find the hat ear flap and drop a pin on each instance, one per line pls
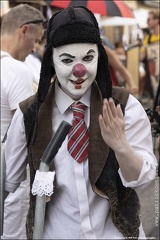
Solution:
(103, 76)
(47, 71)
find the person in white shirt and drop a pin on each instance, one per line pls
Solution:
(34, 64)
(16, 85)
(21, 29)
(24, 34)
(95, 198)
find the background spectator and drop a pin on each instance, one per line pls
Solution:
(153, 23)
(21, 30)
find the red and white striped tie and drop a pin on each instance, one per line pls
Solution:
(78, 137)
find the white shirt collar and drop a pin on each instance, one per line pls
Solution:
(63, 101)
(4, 54)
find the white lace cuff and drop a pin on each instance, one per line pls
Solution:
(43, 183)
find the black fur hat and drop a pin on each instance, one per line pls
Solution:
(73, 25)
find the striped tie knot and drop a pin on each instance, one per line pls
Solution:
(78, 110)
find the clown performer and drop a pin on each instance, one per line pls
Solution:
(107, 154)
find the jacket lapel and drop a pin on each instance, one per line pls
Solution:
(44, 131)
(98, 150)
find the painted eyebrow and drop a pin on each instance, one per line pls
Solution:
(91, 50)
(67, 55)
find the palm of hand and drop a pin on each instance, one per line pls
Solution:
(112, 124)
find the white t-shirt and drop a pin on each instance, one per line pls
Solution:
(34, 65)
(75, 211)
(16, 85)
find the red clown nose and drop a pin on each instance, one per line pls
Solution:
(79, 70)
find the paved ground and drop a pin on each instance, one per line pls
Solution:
(150, 209)
(149, 197)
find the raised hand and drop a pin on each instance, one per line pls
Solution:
(112, 124)
(112, 127)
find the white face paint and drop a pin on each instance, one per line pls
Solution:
(76, 67)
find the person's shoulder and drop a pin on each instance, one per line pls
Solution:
(119, 90)
(20, 65)
(14, 64)
(28, 103)
(155, 38)
(145, 41)
(120, 94)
